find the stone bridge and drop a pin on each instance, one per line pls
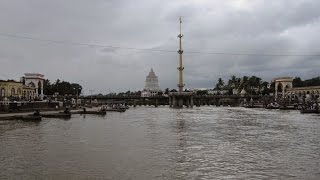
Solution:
(224, 100)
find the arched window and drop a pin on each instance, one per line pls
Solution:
(279, 87)
(2, 92)
(286, 88)
(19, 91)
(13, 91)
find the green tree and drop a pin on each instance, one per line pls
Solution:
(47, 87)
(62, 87)
(220, 84)
(272, 87)
(202, 92)
(312, 82)
(265, 89)
(233, 83)
(297, 82)
(166, 91)
(243, 84)
(173, 90)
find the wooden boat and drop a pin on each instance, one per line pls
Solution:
(272, 107)
(116, 110)
(23, 117)
(310, 111)
(57, 115)
(94, 112)
(29, 118)
(287, 108)
(254, 106)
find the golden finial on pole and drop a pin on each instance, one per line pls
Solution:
(180, 23)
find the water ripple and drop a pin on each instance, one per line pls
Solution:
(163, 143)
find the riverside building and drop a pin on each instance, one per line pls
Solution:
(25, 89)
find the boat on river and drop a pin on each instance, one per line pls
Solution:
(287, 108)
(29, 117)
(99, 112)
(57, 115)
(253, 105)
(114, 108)
(94, 112)
(273, 106)
(310, 111)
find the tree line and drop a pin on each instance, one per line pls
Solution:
(298, 82)
(253, 85)
(61, 87)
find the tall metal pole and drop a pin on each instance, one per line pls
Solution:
(180, 68)
(91, 96)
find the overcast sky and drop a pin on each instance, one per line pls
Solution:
(284, 27)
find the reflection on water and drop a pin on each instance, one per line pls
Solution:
(164, 143)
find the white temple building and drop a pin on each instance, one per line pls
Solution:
(151, 87)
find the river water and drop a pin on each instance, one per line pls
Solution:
(163, 143)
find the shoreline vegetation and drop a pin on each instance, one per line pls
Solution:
(68, 93)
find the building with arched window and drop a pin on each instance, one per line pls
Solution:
(284, 87)
(29, 87)
(16, 90)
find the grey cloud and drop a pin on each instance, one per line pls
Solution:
(256, 27)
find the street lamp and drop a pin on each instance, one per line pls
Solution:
(91, 90)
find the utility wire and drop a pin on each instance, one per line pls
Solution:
(144, 49)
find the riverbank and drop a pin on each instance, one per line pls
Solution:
(10, 116)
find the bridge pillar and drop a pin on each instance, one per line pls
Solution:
(191, 102)
(180, 98)
(174, 101)
(187, 102)
(156, 103)
(170, 101)
(180, 102)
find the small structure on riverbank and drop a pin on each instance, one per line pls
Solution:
(282, 84)
(34, 80)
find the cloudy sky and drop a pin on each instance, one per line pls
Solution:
(235, 28)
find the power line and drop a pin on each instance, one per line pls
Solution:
(145, 49)
(250, 54)
(79, 44)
